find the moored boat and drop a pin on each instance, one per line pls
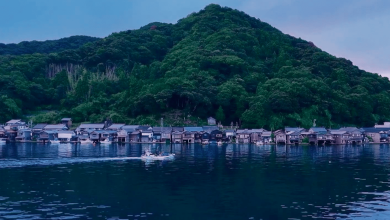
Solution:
(106, 141)
(86, 141)
(55, 141)
(3, 140)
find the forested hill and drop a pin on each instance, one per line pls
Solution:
(217, 62)
(48, 46)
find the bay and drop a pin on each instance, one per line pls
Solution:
(69, 181)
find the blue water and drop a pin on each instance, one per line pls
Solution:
(70, 181)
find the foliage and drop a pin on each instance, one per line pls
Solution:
(216, 61)
(305, 140)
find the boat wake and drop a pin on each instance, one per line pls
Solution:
(9, 163)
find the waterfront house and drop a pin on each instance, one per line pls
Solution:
(23, 135)
(66, 136)
(16, 123)
(162, 134)
(211, 121)
(146, 135)
(294, 137)
(198, 137)
(256, 135)
(177, 136)
(377, 135)
(96, 135)
(280, 137)
(243, 136)
(123, 135)
(96, 127)
(230, 134)
(2, 132)
(110, 135)
(317, 135)
(216, 136)
(67, 122)
(47, 136)
(135, 136)
(57, 127)
(190, 133)
(36, 130)
(353, 135)
(385, 125)
(267, 137)
(166, 135)
(144, 128)
(337, 136)
(180, 129)
(205, 138)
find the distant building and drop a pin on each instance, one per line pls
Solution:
(211, 121)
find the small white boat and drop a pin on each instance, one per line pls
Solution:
(3, 140)
(157, 157)
(106, 141)
(259, 143)
(86, 141)
(205, 142)
(55, 141)
(219, 143)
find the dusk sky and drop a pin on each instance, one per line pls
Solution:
(358, 30)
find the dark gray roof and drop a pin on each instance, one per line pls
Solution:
(162, 129)
(375, 130)
(288, 129)
(66, 119)
(177, 128)
(116, 126)
(13, 121)
(93, 126)
(318, 130)
(210, 128)
(55, 127)
(39, 126)
(193, 129)
(144, 128)
(130, 127)
(243, 131)
(257, 130)
(349, 129)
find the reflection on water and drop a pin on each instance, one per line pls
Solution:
(70, 181)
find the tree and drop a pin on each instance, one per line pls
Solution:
(220, 115)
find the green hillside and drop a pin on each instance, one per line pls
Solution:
(217, 62)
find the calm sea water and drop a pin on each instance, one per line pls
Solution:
(70, 181)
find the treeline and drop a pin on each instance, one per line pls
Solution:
(217, 62)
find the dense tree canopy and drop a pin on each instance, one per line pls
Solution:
(217, 62)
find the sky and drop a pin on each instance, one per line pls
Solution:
(358, 30)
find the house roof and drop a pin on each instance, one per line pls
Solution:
(130, 127)
(144, 128)
(294, 132)
(162, 129)
(243, 131)
(65, 132)
(257, 130)
(66, 119)
(288, 129)
(13, 121)
(39, 126)
(210, 128)
(193, 129)
(116, 126)
(210, 118)
(349, 129)
(318, 130)
(51, 132)
(58, 126)
(337, 132)
(375, 130)
(177, 128)
(93, 126)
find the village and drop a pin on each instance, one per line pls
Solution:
(17, 130)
